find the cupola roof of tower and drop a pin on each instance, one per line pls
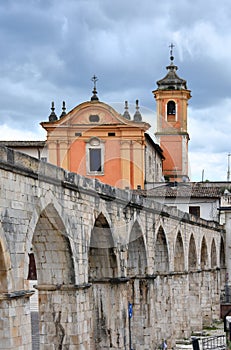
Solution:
(171, 81)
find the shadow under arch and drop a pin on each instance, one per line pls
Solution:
(179, 263)
(137, 257)
(4, 287)
(222, 262)
(7, 281)
(102, 260)
(192, 254)
(161, 252)
(222, 254)
(213, 254)
(204, 254)
(52, 249)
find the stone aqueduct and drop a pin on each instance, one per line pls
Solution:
(96, 249)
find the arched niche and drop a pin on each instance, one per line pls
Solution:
(179, 254)
(52, 250)
(192, 254)
(102, 262)
(161, 252)
(137, 259)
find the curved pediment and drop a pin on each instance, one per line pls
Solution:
(94, 113)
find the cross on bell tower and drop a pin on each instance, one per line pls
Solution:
(171, 51)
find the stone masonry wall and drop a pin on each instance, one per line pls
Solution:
(96, 249)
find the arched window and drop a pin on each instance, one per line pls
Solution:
(171, 111)
(95, 156)
(171, 108)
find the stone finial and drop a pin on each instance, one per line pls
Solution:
(94, 91)
(63, 110)
(137, 116)
(52, 116)
(126, 113)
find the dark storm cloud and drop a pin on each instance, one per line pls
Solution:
(51, 49)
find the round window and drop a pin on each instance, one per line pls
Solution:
(94, 118)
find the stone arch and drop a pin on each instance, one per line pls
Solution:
(52, 249)
(192, 254)
(102, 261)
(213, 254)
(204, 254)
(137, 258)
(179, 254)
(161, 252)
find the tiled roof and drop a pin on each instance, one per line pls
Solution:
(173, 190)
(23, 143)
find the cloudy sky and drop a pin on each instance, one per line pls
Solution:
(50, 49)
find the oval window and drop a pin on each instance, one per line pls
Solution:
(94, 118)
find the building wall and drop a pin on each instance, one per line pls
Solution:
(122, 142)
(208, 207)
(96, 249)
(153, 165)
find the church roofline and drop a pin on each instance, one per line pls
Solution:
(99, 104)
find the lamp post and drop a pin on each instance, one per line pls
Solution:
(228, 172)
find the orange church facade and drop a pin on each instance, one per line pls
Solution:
(97, 142)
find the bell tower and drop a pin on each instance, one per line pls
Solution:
(172, 98)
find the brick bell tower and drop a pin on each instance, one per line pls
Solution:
(172, 98)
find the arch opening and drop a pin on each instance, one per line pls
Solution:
(161, 252)
(137, 259)
(52, 250)
(102, 262)
(213, 254)
(204, 254)
(171, 111)
(192, 254)
(179, 254)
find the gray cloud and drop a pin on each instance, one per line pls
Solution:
(50, 50)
